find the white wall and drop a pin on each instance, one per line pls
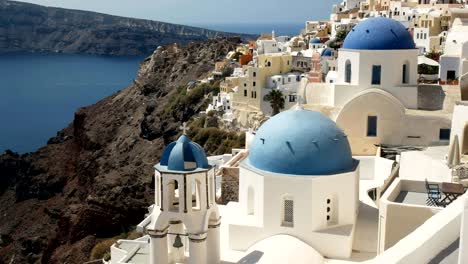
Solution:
(429, 239)
(353, 120)
(391, 61)
(421, 38)
(397, 220)
(249, 179)
(391, 75)
(310, 194)
(460, 121)
(267, 47)
(448, 63)
(395, 126)
(374, 168)
(320, 94)
(416, 165)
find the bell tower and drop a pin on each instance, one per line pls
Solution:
(185, 220)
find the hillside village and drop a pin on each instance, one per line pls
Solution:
(356, 147)
(308, 68)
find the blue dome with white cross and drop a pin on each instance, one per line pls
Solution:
(301, 142)
(379, 33)
(184, 155)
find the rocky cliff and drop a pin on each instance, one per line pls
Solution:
(94, 179)
(29, 27)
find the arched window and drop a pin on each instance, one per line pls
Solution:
(269, 64)
(250, 201)
(348, 72)
(172, 195)
(196, 195)
(287, 211)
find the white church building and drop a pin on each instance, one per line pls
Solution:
(375, 96)
(294, 183)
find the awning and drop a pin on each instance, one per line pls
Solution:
(427, 61)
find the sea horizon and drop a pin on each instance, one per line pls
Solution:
(289, 29)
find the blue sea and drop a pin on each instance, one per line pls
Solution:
(39, 93)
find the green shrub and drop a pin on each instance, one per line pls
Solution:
(102, 249)
(216, 141)
(183, 104)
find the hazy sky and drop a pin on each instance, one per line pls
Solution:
(205, 11)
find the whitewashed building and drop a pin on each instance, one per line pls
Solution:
(267, 46)
(454, 61)
(375, 96)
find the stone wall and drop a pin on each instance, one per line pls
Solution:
(229, 185)
(430, 97)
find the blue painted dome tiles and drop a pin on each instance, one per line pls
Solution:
(301, 142)
(379, 33)
(184, 155)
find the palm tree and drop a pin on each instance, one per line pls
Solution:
(276, 99)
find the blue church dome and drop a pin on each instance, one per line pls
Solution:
(379, 33)
(328, 52)
(301, 142)
(184, 155)
(315, 41)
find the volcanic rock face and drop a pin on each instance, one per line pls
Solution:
(94, 179)
(28, 27)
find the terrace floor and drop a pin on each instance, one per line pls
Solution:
(415, 198)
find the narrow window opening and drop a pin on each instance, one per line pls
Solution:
(444, 134)
(173, 197)
(288, 212)
(376, 74)
(250, 201)
(405, 74)
(348, 72)
(195, 195)
(372, 126)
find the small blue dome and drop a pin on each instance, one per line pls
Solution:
(379, 33)
(328, 52)
(301, 142)
(315, 41)
(184, 155)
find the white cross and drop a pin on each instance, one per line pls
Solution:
(184, 128)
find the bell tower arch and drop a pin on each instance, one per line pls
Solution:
(185, 221)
